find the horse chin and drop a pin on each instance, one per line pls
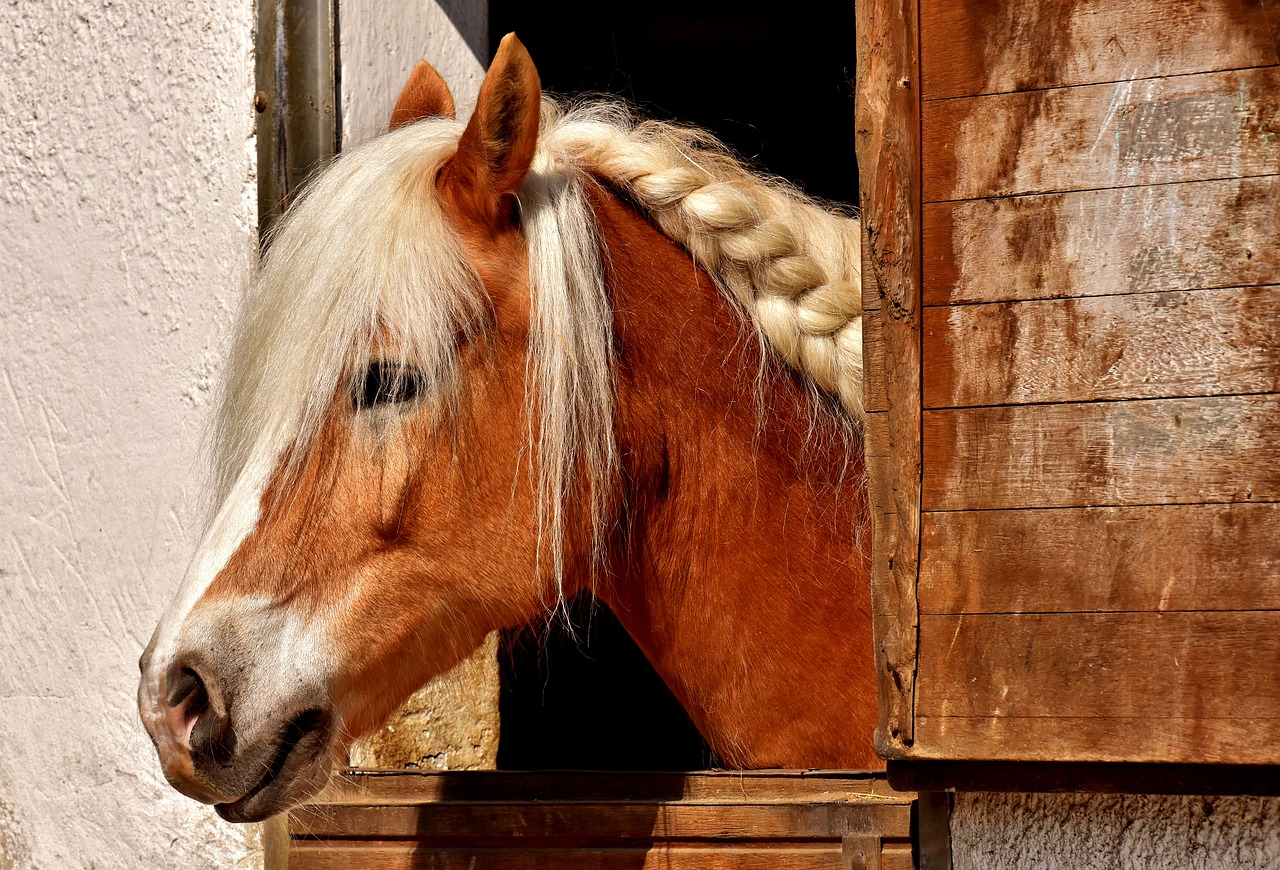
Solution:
(301, 767)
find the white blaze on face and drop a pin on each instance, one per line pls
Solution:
(235, 521)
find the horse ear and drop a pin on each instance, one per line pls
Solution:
(497, 147)
(425, 95)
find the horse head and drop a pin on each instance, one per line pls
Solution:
(435, 424)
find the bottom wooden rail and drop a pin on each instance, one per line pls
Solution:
(494, 820)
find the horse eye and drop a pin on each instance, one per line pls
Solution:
(387, 384)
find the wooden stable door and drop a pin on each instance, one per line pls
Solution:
(1072, 216)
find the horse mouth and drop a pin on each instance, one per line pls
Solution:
(302, 745)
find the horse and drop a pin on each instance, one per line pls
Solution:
(487, 367)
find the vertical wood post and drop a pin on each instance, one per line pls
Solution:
(888, 137)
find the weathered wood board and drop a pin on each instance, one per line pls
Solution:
(1141, 559)
(1149, 131)
(889, 167)
(1144, 239)
(971, 47)
(1074, 444)
(1178, 343)
(488, 819)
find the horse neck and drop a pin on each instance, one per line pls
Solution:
(742, 575)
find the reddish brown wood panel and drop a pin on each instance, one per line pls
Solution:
(1150, 131)
(1075, 560)
(798, 820)
(1092, 243)
(989, 46)
(1200, 671)
(1184, 343)
(1220, 665)
(1163, 451)
(887, 118)
(1098, 738)
(394, 856)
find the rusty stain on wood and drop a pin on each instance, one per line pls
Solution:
(1099, 242)
(1160, 451)
(971, 47)
(1148, 558)
(1152, 131)
(1183, 343)
(888, 145)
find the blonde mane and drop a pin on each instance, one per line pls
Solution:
(367, 249)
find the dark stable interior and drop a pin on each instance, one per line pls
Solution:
(775, 84)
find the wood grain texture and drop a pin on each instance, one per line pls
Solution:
(1148, 666)
(1150, 131)
(873, 386)
(1113, 686)
(1166, 451)
(1092, 243)
(1099, 738)
(1076, 560)
(323, 855)
(887, 119)
(1154, 345)
(393, 787)
(766, 819)
(989, 46)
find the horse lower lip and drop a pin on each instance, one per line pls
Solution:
(256, 804)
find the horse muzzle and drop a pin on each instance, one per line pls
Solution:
(250, 738)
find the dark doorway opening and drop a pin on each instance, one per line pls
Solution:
(775, 83)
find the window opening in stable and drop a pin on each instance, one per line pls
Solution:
(775, 84)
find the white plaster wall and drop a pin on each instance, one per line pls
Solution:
(380, 41)
(1114, 832)
(126, 234)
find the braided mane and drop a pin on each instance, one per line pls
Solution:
(793, 265)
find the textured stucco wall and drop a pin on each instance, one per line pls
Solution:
(126, 214)
(1114, 832)
(452, 722)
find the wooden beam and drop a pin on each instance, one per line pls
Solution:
(888, 126)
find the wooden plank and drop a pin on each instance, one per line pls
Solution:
(488, 823)
(979, 46)
(1101, 739)
(1139, 666)
(897, 856)
(887, 118)
(397, 787)
(1163, 451)
(1152, 131)
(343, 856)
(1173, 557)
(1092, 243)
(1155, 345)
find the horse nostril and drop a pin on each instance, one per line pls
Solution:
(209, 732)
(184, 684)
